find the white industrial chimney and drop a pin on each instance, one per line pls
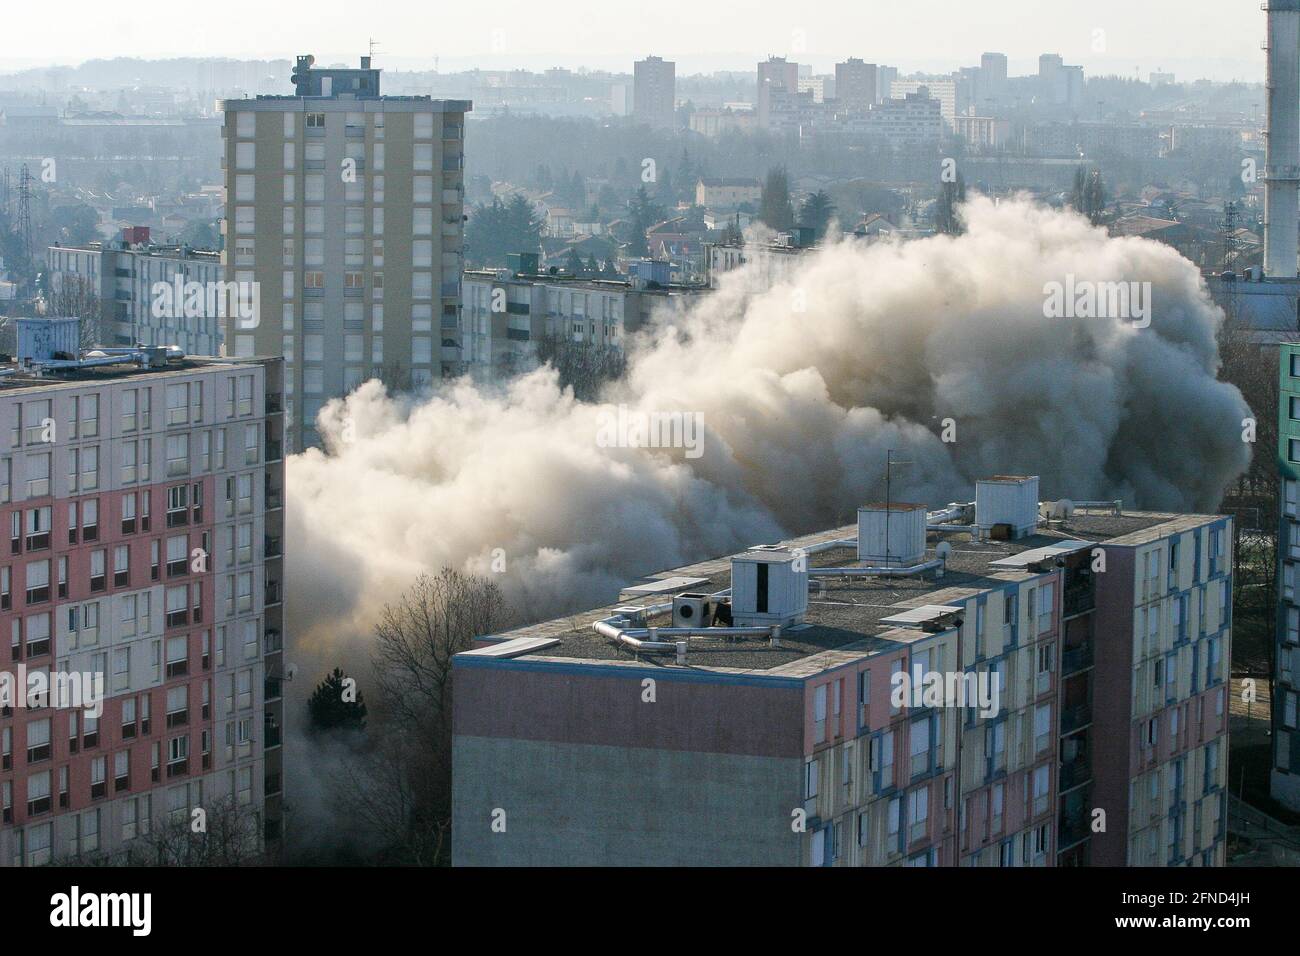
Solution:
(1282, 165)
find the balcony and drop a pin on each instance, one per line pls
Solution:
(273, 451)
(271, 688)
(1076, 659)
(273, 405)
(1074, 774)
(1071, 832)
(273, 592)
(1079, 600)
(271, 547)
(1075, 718)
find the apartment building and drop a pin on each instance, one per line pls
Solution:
(143, 495)
(775, 74)
(122, 276)
(1285, 782)
(347, 209)
(755, 710)
(654, 92)
(914, 120)
(941, 89)
(855, 84)
(774, 259)
(507, 312)
(727, 194)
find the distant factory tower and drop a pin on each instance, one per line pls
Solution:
(1282, 169)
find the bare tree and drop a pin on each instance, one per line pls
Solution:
(583, 366)
(398, 787)
(416, 639)
(230, 835)
(1254, 500)
(76, 296)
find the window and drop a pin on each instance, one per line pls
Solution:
(38, 793)
(177, 656)
(177, 606)
(98, 562)
(38, 740)
(98, 777)
(121, 566)
(38, 582)
(177, 706)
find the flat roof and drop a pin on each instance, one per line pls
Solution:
(19, 378)
(850, 617)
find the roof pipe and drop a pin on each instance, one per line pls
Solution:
(911, 571)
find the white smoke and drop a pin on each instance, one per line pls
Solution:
(799, 406)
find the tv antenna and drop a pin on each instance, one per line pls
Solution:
(889, 510)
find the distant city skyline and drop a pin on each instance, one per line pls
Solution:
(1105, 37)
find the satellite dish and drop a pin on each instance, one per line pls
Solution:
(943, 550)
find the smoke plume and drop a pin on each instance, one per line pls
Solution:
(803, 385)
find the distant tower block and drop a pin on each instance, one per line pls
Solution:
(1282, 166)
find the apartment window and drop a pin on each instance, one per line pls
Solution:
(178, 499)
(38, 793)
(177, 556)
(129, 418)
(38, 475)
(121, 566)
(38, 582)
(38, 528)
(38, 740)
(98, 777)
(177, 606)
(177, 706)
(177, 656)
(98, 563)
(121, 770)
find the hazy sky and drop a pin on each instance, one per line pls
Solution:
(1215, 38)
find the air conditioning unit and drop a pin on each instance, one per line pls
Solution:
(692, 610)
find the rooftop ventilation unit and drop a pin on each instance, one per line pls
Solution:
(48, 339)
(1006, 506)
(769, 587)
(692, 610)
(891, 535)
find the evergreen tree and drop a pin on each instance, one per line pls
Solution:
(775, 208)
(951, 195)
(334, 704)
(643, 214)
(816, 211)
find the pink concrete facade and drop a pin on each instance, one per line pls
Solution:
(153, 569)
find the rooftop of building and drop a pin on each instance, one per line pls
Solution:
(844, 620)
(594, 283)
(16, 375)
(156, 250)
